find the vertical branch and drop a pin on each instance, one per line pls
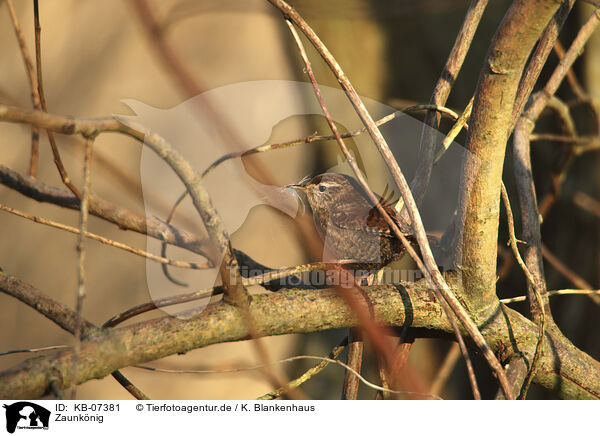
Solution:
(440, 96)
(40, 85)
(488, 133)
(83, 218)
(354, 361)
(35, 97)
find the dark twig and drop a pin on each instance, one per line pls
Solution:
(440, 95)
(130, 387)
(354, 361)
(56, 312)
(40, 83)
(538, 59)
(568, 273)
(571, 77)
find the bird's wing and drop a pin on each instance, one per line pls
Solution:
(361, 216)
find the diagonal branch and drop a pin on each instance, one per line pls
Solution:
(33, 87)
(440, 95)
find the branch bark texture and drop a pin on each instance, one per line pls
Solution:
(488, 133)
(564, 368)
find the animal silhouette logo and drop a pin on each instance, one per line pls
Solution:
(26, 415)
(251, 110)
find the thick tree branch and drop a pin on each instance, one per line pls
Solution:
(563, 367)
(487, 137)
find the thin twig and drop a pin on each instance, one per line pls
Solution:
(575, 50)
(571, 77)
(456, 128)
(80, 295)
(522, 298)
(289, 359)
(130, 387)
(60, 314)
(33, 87)
(568, 273)
(354, 362)
(587, 203)
(103, 240)
(34, 350)
(445, 370)
(40, 84)
(314, 137)
(559, 171)
(335, 352)
(460, 122)
(161, 302)
(533, 284)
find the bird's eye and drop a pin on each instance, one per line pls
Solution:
(322, 188)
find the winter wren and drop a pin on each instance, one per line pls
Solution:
(353, 230)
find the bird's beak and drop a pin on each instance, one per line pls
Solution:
(296, 186)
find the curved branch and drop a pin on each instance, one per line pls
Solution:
(125, 219)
